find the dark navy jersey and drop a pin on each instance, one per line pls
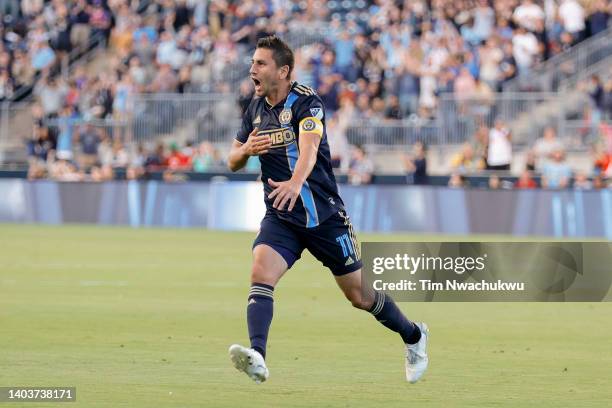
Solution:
(302, 111)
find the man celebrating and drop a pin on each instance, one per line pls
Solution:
(285, 126)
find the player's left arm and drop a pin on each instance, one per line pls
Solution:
(287, 192)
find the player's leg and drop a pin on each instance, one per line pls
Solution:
(275, 250)
(381, 306)
(335, 245)
(384, 309)
(267, 269)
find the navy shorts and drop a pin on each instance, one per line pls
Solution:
(332, 242)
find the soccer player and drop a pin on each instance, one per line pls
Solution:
(284, 126)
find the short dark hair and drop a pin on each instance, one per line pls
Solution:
(281, 52)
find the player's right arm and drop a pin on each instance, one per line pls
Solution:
(253, 146)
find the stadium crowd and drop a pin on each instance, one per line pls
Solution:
(96, 156)
(38, 36)
(378, 61)
(546, 159)
(390, 59)
(397, 56)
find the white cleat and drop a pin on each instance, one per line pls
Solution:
(416, 356)
(250, 362)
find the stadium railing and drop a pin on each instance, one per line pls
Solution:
(601, 69)
(550, 75)
(216, 118)
(524, 113)
(16, 124)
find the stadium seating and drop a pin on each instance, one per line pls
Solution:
(390, 74)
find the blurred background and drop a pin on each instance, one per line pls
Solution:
(462, 116)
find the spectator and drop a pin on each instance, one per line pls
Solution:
(6, 85)
(89, 142)
(494, 182)
(482, 99)
(599, 17)
(556, 174)
(546, 145)
(361, 167)
(51, 93)
(484, 20)
(336, 138)
(177, 160)
(165, 81)
(66, 133)
(525, 181)
(573, 18)
(457, 180)
(205, 158)
(525, 49)
(42, 145)
(22, 71)
(79, 18)
(99, 20)
(416, 166)
(464, 87)
(63, 170)
(136, 166)
(528, 14)
(603, 163)
(597, 94)
(157, 159)
(466, 161)
(245, 96)
(37, 170)
(598, 182)
(499, 156)
(42, 56)
(530, 161)
(491, 56)
(582, 182)
(31, 8)
(103, 173)
(508, 67)
(123, 97)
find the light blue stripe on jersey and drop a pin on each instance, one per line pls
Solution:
(312, 217)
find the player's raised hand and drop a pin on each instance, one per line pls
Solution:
(256, 145)
(284, 192)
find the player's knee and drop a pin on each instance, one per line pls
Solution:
(259, 273)
(358, 300)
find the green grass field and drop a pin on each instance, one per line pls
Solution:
(143, 318)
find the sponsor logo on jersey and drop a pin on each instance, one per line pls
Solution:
(279, 137)
(257, 120)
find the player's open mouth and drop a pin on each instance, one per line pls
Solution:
(257, 84)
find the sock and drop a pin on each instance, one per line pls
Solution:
(388, 314)
(259, 315)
